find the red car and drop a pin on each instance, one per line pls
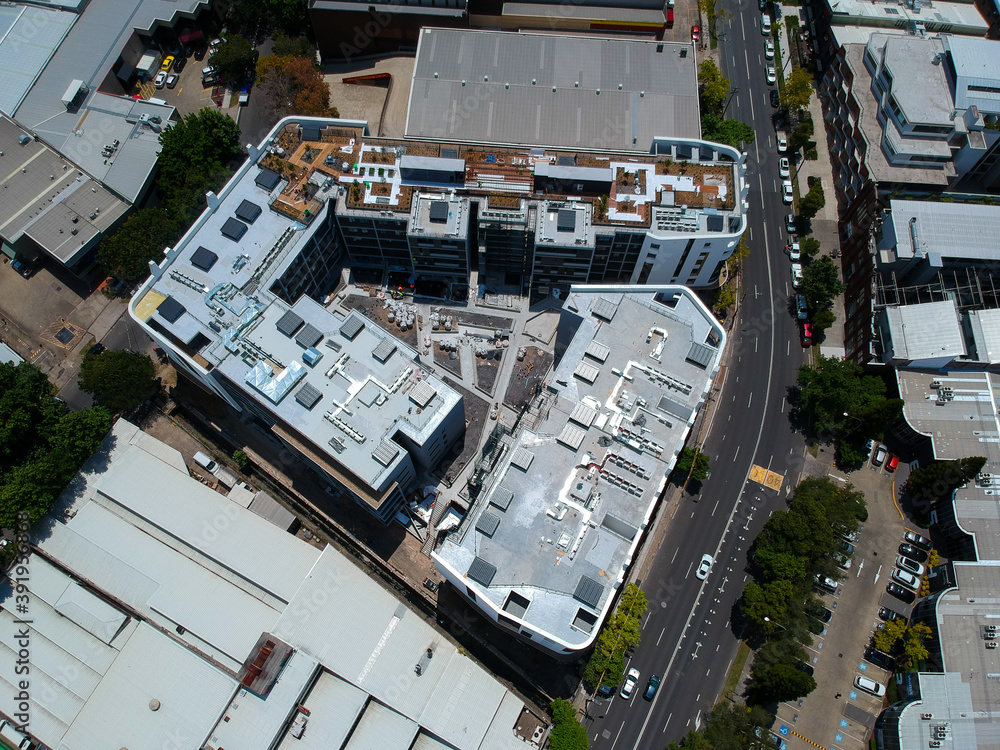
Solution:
(892, 464)
(695, 33)
(807, 335)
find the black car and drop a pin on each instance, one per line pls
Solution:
(775, 98)
(651, 687)
(807, 668)
(914, 553)
(890, 614)
(846, 547)
(179, 64)
(96, 348)
(900, 592)
(762, 4)
(200, 51)
(880, 658)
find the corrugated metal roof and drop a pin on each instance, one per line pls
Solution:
(385, 349)
(649, 93)
(29, 36)
(422, 393)
(386, 451)
(352, 326)
(701, 354)
(334, 706)
(381, 728)
(604, 308)
(501, 497)
(572, 436)
(308, 395)
(598, 351)
(272, 511)
(931, 330)
(586, 372)
(583, 415)
(522, 458)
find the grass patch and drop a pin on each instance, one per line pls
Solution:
(891, 690)
(813, 449)
(733, 678)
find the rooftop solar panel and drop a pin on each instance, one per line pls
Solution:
(385, 349)
(676, 408)
(449, 153)
(267, 179)
(481, 571)
(248, 211)
(566, 220)
(308, 395)
(701, 354)
(234, 229)
(352, 327)
(289, 323)
(501, 497)
(308, 336)
(583, 415)
(310, 132)
(715, 223)
(588, 591)
(170, 309)
(487, 523)
(598, 351)
(203, 258)
(439, 212)
(586, 372)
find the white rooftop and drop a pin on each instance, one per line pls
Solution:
(928, 331)
(948, 230)
(977, 64)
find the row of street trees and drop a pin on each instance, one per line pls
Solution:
(714, 93)
(619, 634)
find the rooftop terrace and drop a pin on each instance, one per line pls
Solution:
(548, 541)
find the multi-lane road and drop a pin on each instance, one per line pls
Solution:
(687, 635)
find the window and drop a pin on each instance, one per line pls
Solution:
(985, 89)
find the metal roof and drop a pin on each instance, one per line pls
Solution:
(381, 728)
(29, 36)
(309, 336)
(334, 706)
(583, 415)
(586, 371)
(566, 221)
(598, 351)
(588, 591)
(604, 308)
(248, 211)
(170, 309)
(487, 523)
(386, 451)
(352, 327)
(289, 323)
(267, 179)
(481, 571)
(522, 458)
(439, 211)
(501, 497)
(422, 393)
(702, 354)
(951, 230)
(672, 406)
(308, 395)
(385, 349)
(272, 511)
(234, 229)
(203, 258)
(931, 330)
(572, 436)
(545, 89)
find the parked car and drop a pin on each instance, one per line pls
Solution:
(787, 192)
(887, 614)
(167, 62)
(801, 307)
(868, 447)
(846, 547)
(179, 64)
(790, 223)
(160, 80)
(900, 593)
(914, 553)
(765, 23)
(704, 567)
(244, 95)
(794, 251)
(695, 34)
(843, 561)
(628, 687)
(910, 566)
(651, 687)
(796, 275)
(775, 98)
(784, 169)
(771, 75)
(23, 267)
(880, 659)
(905, 578)
(200, 51)
(782, 141)
(892, 464)
(807, 341)
(96, 348)
(769, 49)
(851, 536)
(172, 80)
(826, 583)
(762, 4)
(915, 539)
(869, 686)
(880, 454)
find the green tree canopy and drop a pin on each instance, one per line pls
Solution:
(567, 732)
(800, 135)
(938, 480)
(119, 380)
(695, 463)
(813, 201)
(779, 683)
(728, 131)
(769, 601)
(620, 633)
(914, 645)
(234, 59)
(141, 238)
(713, 87)
(797, 89)
(810, 247)
(821, 282)
(823, 320)
(889, 635)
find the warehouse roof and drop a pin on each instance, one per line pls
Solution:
(586, 92)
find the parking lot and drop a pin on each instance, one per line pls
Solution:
(837, 714)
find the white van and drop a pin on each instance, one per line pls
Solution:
(796, 275)
(204, 461)
(12, 737)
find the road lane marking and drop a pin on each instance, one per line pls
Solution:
(618, 735)
(667, 722)
(690, 565)
(661, 635)
(675, 555)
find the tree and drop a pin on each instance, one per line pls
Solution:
(889, 635)
(813, 201)
(234, 59)
(779, 683)
(620, 633)
(567, 732)
(730, 132)
(119, 380)
(241, 459)
(799, 137)
(141, 238)
(725, 298)
(823, 320)
(766, 606)
(821, 282)
(298, 46)
(731, 726)
(293, 85)
(693, 464)
(713, 87)
(914, 648)
(810, 247)
(797, 89)
(940, 479)
(836, 394)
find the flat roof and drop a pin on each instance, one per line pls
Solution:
(920, 85)
(648, 17)
(29, 36)
(976, 64)
(946, 697)
(648, 89)
(565, 534)
(961, 16)
(931, 330)
(951, 230)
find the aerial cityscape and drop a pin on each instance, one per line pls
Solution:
(480, 375)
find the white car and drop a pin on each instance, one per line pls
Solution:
(772, 76)
(869, 686)
(910, 566)
(794, 254)
(880, 453)
(790, 223)
(704, 567)
(782, 144)
(916, 540)
(628, 687)
(905, 579)
(796, 275)
(160, 80)
(787, 193)
(783, 168)
(769, 49)
(765, 24)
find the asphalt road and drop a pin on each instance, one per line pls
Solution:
(687, 636)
